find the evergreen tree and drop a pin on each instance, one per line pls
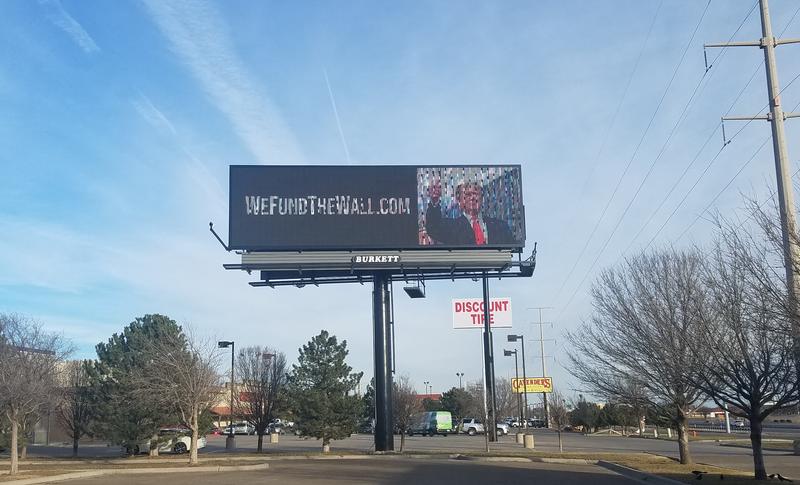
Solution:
(124, 417)
(321, 386)
(459, 402)
(368, 401)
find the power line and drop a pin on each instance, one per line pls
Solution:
(702, 148)
(635, 152)
(652, 165)
(702, 174)
(603, 145)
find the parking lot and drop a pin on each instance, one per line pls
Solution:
(545, 441)
(387, 471)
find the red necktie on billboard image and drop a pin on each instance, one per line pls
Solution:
(476, 228)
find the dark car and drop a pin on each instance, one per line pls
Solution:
(536, 423)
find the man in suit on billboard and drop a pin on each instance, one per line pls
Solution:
(471, 228)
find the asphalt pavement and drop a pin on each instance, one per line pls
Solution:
(783, 462)
(385, 471)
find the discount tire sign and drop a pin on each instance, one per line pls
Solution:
(468, 313)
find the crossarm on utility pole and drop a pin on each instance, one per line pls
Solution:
(766, 117)
(746, 118)
(735, 44)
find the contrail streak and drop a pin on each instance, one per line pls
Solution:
(336, 114)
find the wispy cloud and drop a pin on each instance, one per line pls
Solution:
(199, 37)
(68, 24)
(152, 115)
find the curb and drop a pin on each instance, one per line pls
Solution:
(139, 460)
(490, 458)
(135, 471)
(565, 461)
(637, 475)
(58, 478)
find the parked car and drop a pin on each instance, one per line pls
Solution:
(739, 423)
(536, 423)
(280, 426)
(473, 426)
(241, 428)
(431, 423)
(174, 440)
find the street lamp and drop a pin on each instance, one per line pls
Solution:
(230, 441)
(509, 353)
(514, 338)
(460, 375)
(426, 386)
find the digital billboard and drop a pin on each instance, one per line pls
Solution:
(293, 208)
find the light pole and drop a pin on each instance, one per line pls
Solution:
(426, 386)
(460, 375)
(514, 338)
(509, 353)
(230, 441)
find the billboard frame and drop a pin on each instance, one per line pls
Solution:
(289, 266)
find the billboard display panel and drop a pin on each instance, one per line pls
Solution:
(375, 207)
(468, 313)
(532, 384)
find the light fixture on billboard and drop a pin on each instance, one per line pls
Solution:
(417, 290)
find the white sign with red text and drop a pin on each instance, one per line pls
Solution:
(468, 313)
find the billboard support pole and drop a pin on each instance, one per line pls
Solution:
(488, 360)
(381, 320)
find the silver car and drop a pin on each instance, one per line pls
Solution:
(473, 426)
(175, 440)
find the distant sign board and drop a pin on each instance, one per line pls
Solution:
(274, 208)
(468, 313)
(532, 384)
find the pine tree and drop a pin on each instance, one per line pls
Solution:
(322, 387)
(123, 416)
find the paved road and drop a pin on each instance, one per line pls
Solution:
(385, 471)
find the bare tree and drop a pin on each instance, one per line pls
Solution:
(404, 405)
(475, 407)
(263, 380)
(746, 340)
(75, 409)
(643, 310)
(632, 394)
(506, 398)
(769, 221)
(29, 359)
(559, 415)
(181, 373)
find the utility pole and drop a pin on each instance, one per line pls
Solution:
(776, 117)
(542, 340)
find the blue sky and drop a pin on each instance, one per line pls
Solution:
(120, 120)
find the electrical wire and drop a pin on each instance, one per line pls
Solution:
(702, 174)
(635, 152)
(633, 156)
(716, 129)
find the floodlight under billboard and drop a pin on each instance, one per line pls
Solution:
(298, 208)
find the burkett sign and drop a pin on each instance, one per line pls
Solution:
(468, 313)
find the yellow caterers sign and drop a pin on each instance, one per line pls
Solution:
(532, 384)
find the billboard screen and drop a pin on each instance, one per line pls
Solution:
(468, 313)
(375, 207)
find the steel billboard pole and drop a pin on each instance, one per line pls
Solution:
(382, 346)
(488, 355)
